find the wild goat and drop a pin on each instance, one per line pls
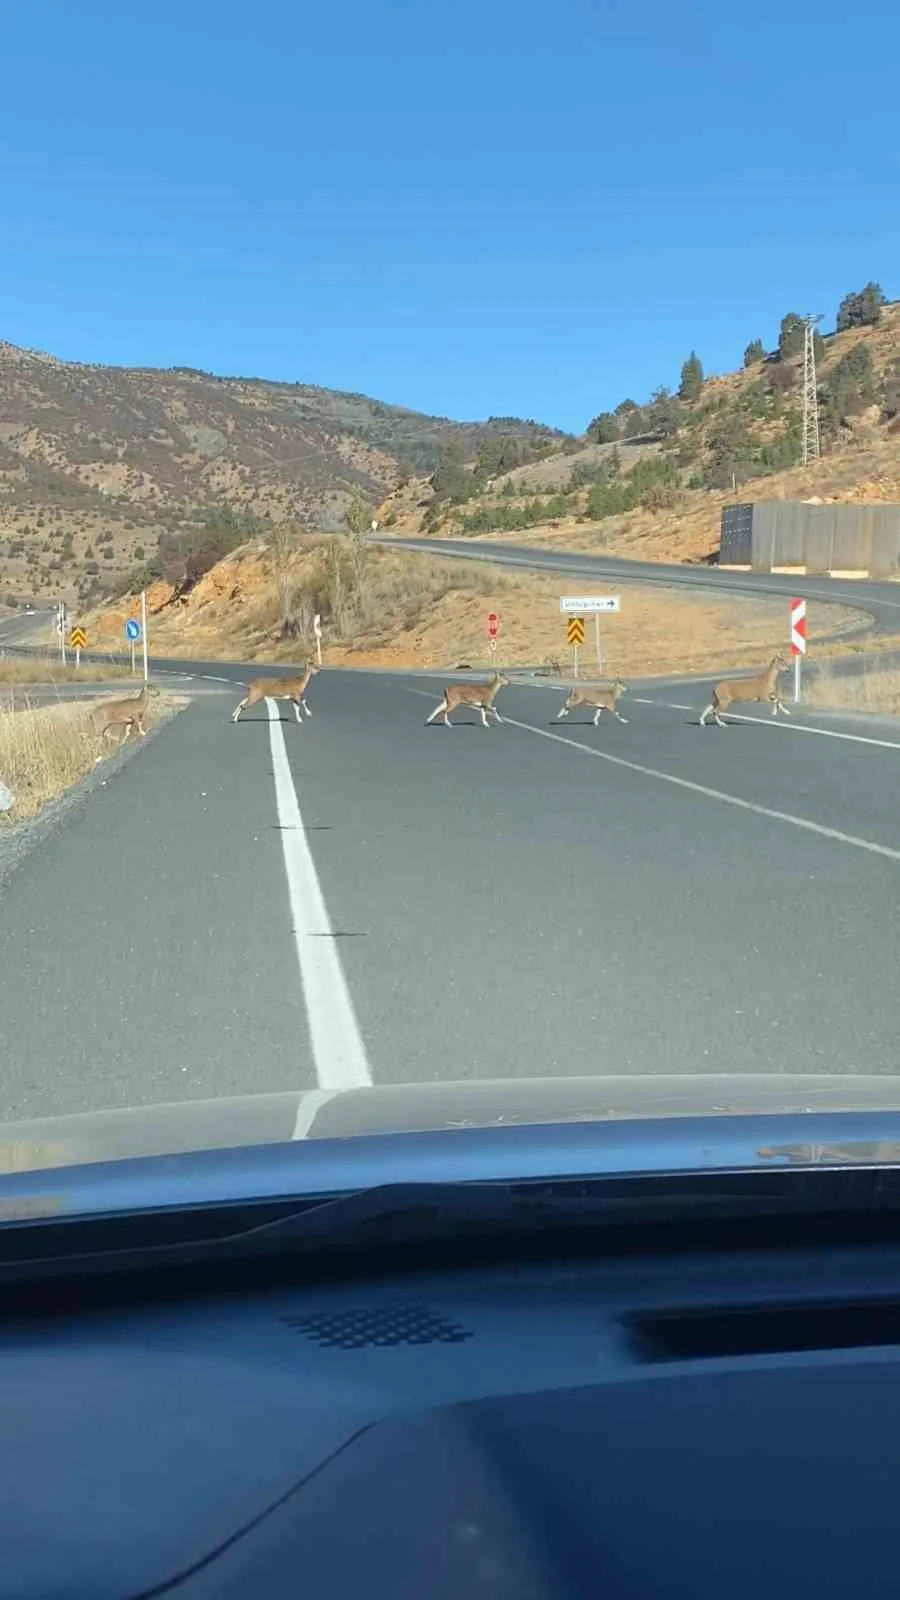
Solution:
(732, 690)
(293, 689)
(602, 699)
(481, 696)
(128, 713)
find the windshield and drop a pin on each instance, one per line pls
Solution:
(449, 524)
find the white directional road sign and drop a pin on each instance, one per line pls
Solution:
(583, 604)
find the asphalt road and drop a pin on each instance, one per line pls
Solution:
(880, 599)
(268, 907)
(24, 626)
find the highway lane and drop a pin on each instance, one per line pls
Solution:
(881, 599)
(23, 626)
(145, 947)
(498, 903)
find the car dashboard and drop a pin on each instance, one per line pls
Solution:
(633, 1422)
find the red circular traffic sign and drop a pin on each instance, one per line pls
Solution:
(493, 624)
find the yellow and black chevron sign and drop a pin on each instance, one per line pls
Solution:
(575, 630)
(78, 638)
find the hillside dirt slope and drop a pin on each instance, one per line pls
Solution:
(420, 612)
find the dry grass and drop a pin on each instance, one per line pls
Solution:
(420, 611)
(876, 691)
(44, 669)
(44, 750)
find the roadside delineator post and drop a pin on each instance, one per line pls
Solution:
(798, 641)
(144, 631)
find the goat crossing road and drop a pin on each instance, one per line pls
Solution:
(480, 696)
(733, 691)
(292, 689)
(598, 700)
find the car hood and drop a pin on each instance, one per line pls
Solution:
(317, 1114)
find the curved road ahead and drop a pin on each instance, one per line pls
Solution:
(880, 599)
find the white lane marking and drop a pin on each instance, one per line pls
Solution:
(667, 705)
(772, 722)
(309, 1105)
(803, 727)
(712, 794)
(337, 1045)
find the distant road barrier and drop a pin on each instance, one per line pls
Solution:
(798, 538)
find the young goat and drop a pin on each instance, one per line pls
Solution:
(601, 699)
(293, 689)
(732, 690)
(123, 713)
(479, 695)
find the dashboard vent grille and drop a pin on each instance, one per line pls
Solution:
(378, 1326)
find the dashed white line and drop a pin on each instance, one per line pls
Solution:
(337, 1044)
(667, 705)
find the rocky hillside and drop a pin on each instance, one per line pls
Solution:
(96, 462)
(650, 480)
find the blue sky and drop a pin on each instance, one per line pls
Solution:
(497, 207)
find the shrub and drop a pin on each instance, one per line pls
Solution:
(781, 378)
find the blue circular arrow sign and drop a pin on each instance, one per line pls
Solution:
(132, 629)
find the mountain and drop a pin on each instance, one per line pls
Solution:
(97, 462)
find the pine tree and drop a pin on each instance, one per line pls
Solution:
(754, 352)
(663, 416)
(861, 310)
(691, 378)
(870, 303)
(604, 428)
(790, 337)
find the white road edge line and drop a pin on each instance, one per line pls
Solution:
(338, 1050)
(712, 794)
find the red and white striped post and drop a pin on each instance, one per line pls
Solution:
(798, 640)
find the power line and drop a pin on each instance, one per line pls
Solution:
(811, 448)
